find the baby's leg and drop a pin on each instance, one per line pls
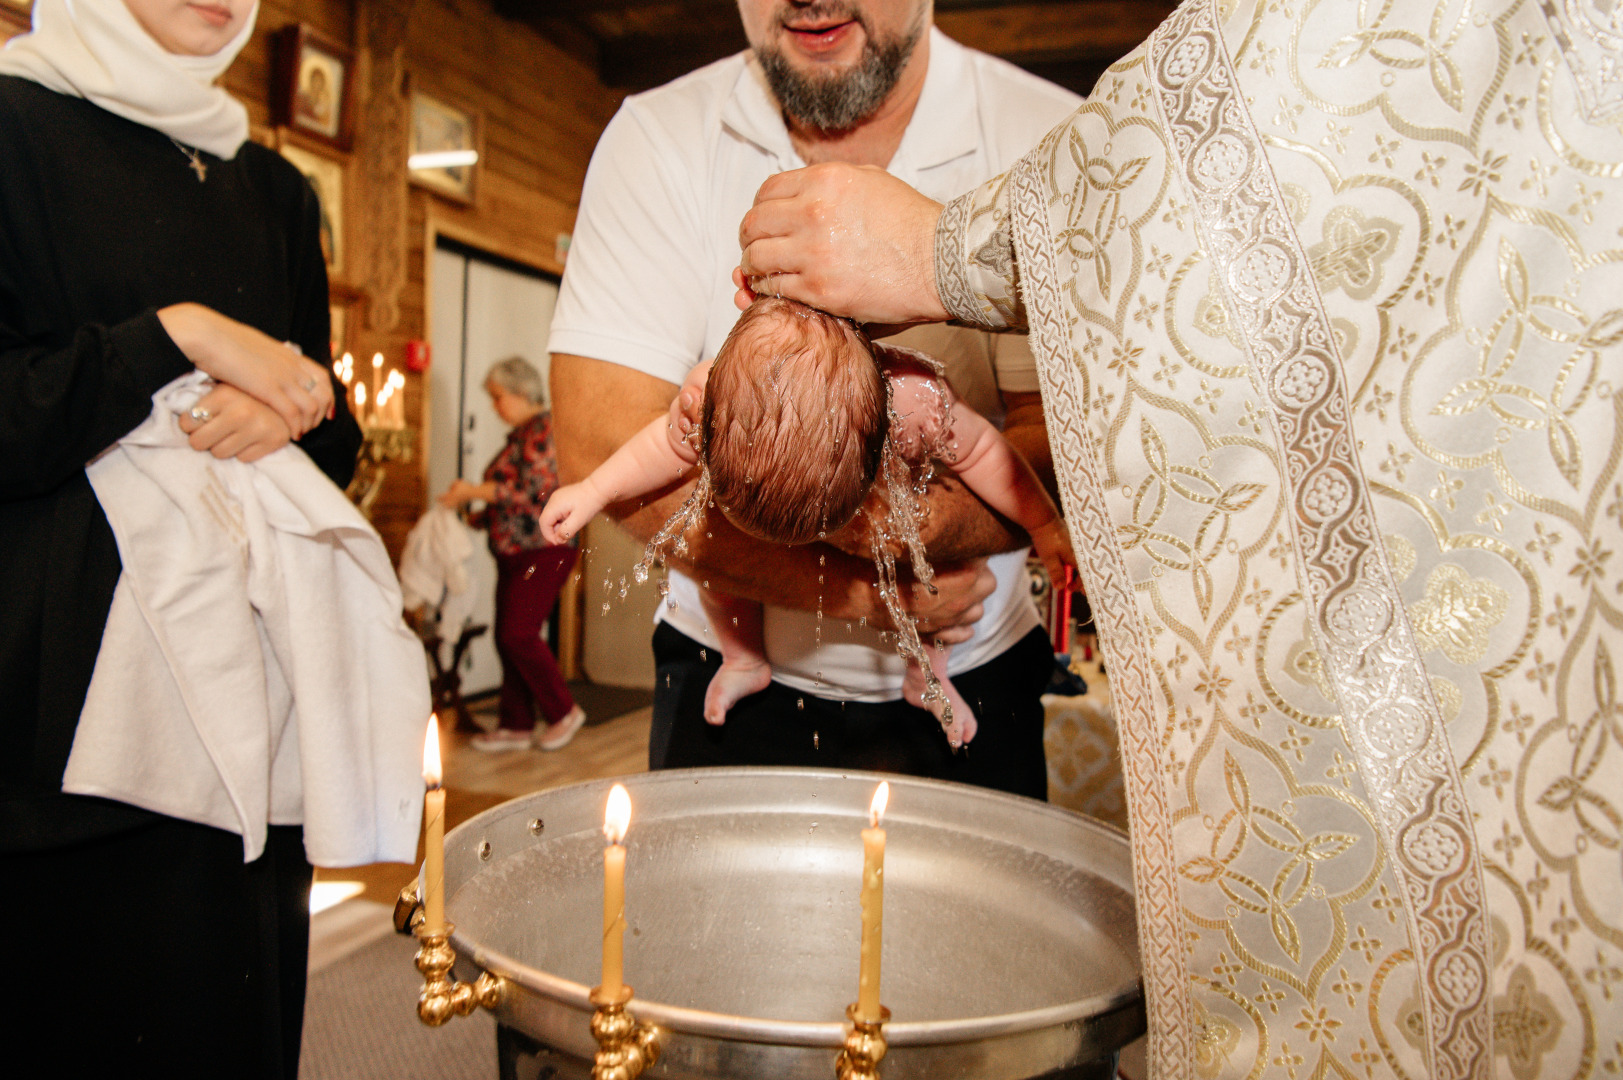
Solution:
(744, 669)
(915, 688)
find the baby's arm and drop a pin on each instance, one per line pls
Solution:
(989, 465)
(656, 455)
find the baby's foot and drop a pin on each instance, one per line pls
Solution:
(961, 727)
(736, 679)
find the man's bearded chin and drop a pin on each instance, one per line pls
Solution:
(841, 101)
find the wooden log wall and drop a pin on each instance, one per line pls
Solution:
(541, 111)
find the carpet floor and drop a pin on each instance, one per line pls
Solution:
(360, 1022)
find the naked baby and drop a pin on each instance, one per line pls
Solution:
(789, 381)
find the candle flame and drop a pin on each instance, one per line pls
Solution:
(617, 819)
(431, 753)
(360, 393)
(876, 809)
(377, 359)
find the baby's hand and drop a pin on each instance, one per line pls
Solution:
(567, 512)
(684, 423)
(1053, 544)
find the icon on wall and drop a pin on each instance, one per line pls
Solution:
(313, 93)
(326, 177)
(444, 146)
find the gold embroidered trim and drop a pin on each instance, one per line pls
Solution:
(1391, 718)
(1155, 877)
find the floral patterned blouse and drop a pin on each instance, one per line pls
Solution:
(526, 475)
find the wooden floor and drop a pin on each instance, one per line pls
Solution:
(475, 781)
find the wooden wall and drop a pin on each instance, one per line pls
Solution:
(541, 112)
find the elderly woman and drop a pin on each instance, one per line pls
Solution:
(141, 238)
(517, 484)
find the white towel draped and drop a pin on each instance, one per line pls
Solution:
(254, 669)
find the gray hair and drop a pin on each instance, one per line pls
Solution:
(518, 376)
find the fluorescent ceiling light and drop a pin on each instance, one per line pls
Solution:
(442, 159)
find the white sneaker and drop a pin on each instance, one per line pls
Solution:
(557, 736)
(501, 739)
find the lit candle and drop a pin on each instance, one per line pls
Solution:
(873, 907)
(377, 377)
(615, 822)
(360, 403)
(433, 831)
(397, 399)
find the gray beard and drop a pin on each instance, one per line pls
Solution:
(840, 102)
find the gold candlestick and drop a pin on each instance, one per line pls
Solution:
(864, 1046)
(624, 1047)
(442, 996)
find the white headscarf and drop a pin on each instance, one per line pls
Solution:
(96, 50)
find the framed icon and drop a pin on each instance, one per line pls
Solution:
(314, 86)
(444, 147)
(326, 177)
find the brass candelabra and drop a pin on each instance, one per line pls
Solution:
(379, 447)
(442, 996)
(624, 1047)
(864, 1046)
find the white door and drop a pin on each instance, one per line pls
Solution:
(483, 311)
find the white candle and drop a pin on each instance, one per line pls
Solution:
(615, 822)
(433, 831)
(873, 907)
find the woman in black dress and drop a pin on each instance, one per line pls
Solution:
(140, 237)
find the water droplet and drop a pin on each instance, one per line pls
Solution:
(605, 607)
(707, 583)
(664, 586)
(735, 620)
(667, 679)
(863, 621)
(821, 559)
(704, 655)
(800, 704)
(817, 744)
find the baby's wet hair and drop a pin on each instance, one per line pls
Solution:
(794, 422)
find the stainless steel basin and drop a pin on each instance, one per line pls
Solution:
(1010, 948)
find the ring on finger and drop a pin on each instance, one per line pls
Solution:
(200, 414)
(310, 385)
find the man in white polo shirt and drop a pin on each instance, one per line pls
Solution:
(648, 294)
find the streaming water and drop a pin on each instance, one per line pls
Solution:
(897, 526)
(894, 519)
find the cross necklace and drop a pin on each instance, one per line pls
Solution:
(197, 165)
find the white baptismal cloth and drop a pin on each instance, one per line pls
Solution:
(434, 566)
(254, 669)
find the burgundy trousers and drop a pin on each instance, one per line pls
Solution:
(527, 584)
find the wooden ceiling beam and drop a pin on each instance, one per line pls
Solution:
(1056, 32)
(642, 61)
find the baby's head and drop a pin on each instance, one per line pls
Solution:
(794, 422)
